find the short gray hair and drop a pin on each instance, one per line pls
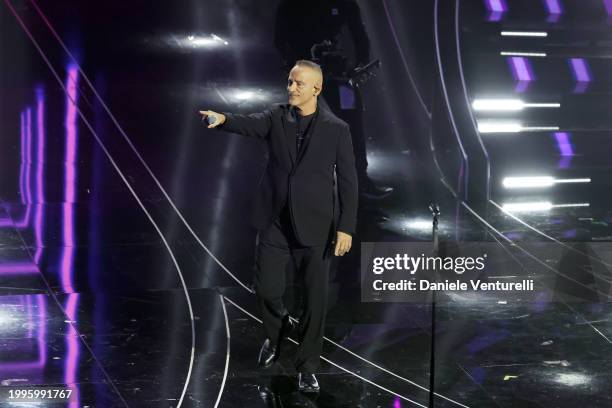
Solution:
(310, 64)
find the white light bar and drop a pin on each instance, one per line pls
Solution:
(528, 182)
(498, 105)
(538, 181)
(508, 105)
(571, 205)
(499, 127)
(538, 128)
(576, 180)
(524, 34)
(522, 54)
(542, 105)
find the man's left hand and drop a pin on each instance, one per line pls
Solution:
(343, 243)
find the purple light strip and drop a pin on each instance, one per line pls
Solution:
(566, 149)
(397, 403)
(554, 10)
(6, 222)
(496, 8)
(66, 265)
(28, 176)
(26, 164)
(522, 72)
(608, 5)
(40, 162)
(580, 70)
(496, 5)
(521, 69)
(72, 343)
(553, 6)
(23, 158)
(563, 144)
(18, 268)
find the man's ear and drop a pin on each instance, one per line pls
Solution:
(318, 88)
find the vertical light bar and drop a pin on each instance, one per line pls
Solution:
(608, 6)
(581, 72)
(554, 10)
(72, 349)
(565, 147)
(496, 8)
(22, 190)
(67, 267)
(522, 72)
(42, 330)
(28, 169)
(66, 263)
(40, 162)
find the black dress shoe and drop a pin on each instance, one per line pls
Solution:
(268, 354)
(307, 382)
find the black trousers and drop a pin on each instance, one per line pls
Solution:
(276, 246)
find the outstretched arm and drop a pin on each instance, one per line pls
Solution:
(254, 125)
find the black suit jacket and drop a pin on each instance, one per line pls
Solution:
(304, 182)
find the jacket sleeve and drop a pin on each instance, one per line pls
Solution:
(255, 124)
(347, 182)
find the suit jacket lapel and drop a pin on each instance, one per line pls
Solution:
(290, 128)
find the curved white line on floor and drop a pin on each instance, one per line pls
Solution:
(180, 215)
(227, 354)
(118, 170)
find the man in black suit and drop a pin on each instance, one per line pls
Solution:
(295, 210)
(301, 28)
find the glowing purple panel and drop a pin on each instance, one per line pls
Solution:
(40, 160)
(18, 268)
(608, 5)
(22, 189)
(496, 5)
(553, 6)
(580, 70)
(566, 150)
(496, 8)
(522, 72)
(554, 10)
(67, 256)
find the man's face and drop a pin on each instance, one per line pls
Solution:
(303, 85)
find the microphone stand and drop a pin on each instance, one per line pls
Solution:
(435, 212)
